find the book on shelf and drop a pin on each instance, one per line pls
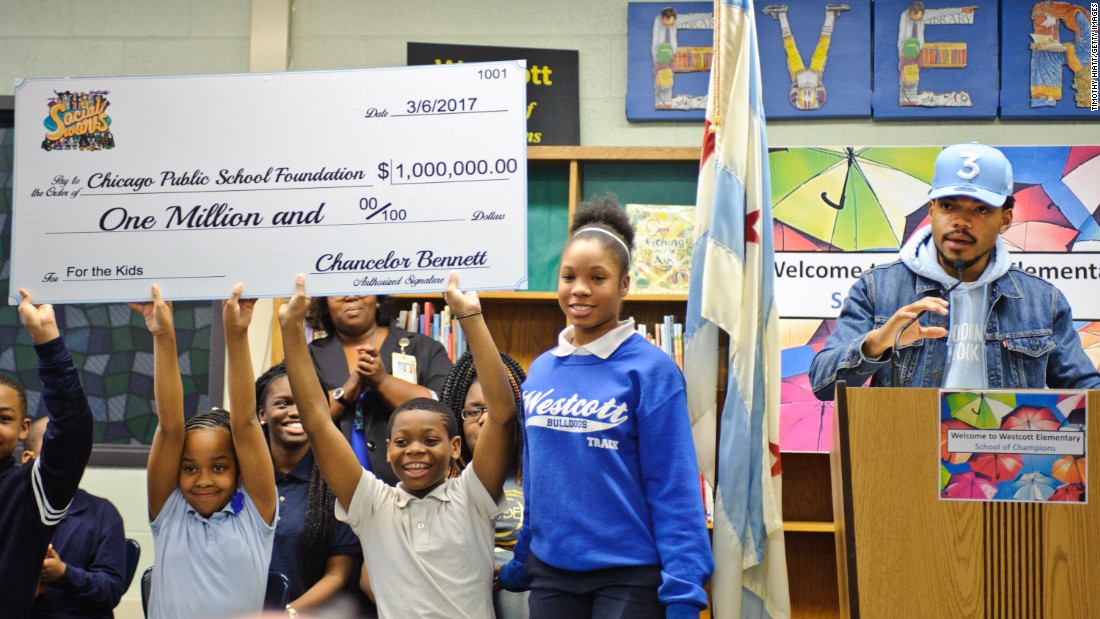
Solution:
(943, 54)
(439, 325)
(663, 239)
(668, 335)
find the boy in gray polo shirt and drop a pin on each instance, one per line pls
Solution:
(419, 537)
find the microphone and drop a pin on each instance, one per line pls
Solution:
(895, 364)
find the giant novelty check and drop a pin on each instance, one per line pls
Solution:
(368, 181)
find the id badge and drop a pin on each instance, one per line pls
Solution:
(404, 367)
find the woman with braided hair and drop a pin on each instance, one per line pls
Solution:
(317, 553)
(463, 394)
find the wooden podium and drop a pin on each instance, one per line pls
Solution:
(903, 552)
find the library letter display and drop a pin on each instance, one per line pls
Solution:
(368, 181)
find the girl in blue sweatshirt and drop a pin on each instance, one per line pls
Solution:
(614, 523)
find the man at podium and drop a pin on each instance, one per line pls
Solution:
(952, 311)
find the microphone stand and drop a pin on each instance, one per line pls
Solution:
(895, 363)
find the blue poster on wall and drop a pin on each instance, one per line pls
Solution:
(798, 40)
(669, 48)
(935, 59)
(1046, 61)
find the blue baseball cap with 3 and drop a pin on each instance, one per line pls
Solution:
(973, 170)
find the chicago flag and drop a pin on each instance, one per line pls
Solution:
(732, 290)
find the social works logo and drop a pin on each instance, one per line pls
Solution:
(78, 121)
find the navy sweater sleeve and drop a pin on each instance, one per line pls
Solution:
(97, 585)
(68, 441)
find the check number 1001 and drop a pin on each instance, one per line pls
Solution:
(492, 74)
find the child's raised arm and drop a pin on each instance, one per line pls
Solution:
(67, 442)
(335, 457)
(493, 453)
(253, 457)
(163, 474)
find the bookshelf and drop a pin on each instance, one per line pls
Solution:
(526, 323)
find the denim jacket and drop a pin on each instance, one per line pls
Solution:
(1030, 342)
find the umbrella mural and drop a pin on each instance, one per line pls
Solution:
(983, 411)
(850, 199)
(1081, 175)
(1070, 179)
(1034, 487)
(1070, 493)
(1072, 408)
(1069, 470)
(997, 467)
(789, 239)
(805, 423)
(1070, 402)
(1090, 341)
(971, 486)
(1037, 223)
(1028, 417)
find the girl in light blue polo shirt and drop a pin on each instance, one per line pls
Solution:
(211, 485)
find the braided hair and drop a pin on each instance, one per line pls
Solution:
(320, 518)
(213, 419)
(462, 376)
(605, 214)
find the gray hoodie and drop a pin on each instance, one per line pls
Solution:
(968, 307)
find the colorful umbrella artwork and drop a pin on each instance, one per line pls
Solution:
(997, 467)
(812, 332)
(850, 199)
(1090, 341)
(1037, 223)
(1029, 417)
(983, 411)
(1069, 470)
(970, 486)
(1070, 493)
(1070, 402)
(805, 423)
(1072, 408)
(795, 332)
(1034, 487)
(1001, 428)
(789, 239)
(1071, 177)
(1081, 175)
